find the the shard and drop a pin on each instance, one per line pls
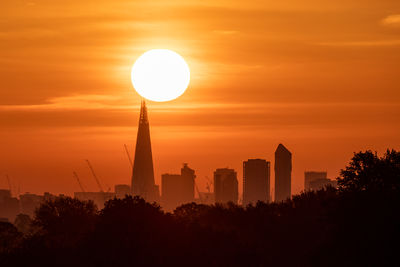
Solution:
(143, 172)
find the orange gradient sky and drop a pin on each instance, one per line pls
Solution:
(321, 77)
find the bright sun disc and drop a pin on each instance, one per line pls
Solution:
(160, 75)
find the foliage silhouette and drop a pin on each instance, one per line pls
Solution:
(23, 223)
(65, 221)
(10, 238)
(368, 172)
(357, 225)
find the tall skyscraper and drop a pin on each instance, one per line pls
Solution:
(225, 186)
(283, 173)
(143, 173)
(171, 190)
(177, 189)
(256, 181)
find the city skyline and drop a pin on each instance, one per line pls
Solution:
(178, 189)
(201, 183)
(199, 133)
(143, 159)
(143, 180)
(321, 78)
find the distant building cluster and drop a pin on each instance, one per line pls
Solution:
(178, 189)
(11, 206)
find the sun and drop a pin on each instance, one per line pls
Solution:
(160, 75)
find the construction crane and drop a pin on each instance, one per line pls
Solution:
(129, 156)
(9, 183)
(209, 184)
(79, 181)
(19, 188)
(94, 175)
(208, 187)
(198, 192)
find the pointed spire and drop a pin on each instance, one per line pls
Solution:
(143, 113)
(142, 172)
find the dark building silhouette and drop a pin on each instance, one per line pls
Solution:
(225, 186)
(322, 183)
(4, 194)
(143, 173)
(310, 176)
(171, 190)
(9, 206)
(188, 176)
(121, 190)
(283, 173)
(256, 181)
(177, 189)
(314, 181)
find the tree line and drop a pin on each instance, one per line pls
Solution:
(356, 224)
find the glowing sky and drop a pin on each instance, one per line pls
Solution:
(321, 77)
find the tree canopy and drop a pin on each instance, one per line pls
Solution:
(356, 225)
(369, 172)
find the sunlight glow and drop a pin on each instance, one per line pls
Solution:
(160, 75)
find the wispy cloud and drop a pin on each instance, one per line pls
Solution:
(77, 102)
(392, 21)
(112, 102)
(362, 43)
(119, 102)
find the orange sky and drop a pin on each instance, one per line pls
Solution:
(321, 77)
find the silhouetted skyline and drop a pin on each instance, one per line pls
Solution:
(199, 133)
(179, 189)
(319, 76)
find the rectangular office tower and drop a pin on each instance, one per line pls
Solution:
(256, 181)
(311, 176)
(283, 173)
(225, 186)
(177, 189)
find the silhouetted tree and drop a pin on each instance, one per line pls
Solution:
(367, 172)
(10, 238)
(23, 223)
(65, 221)
(130, 232)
